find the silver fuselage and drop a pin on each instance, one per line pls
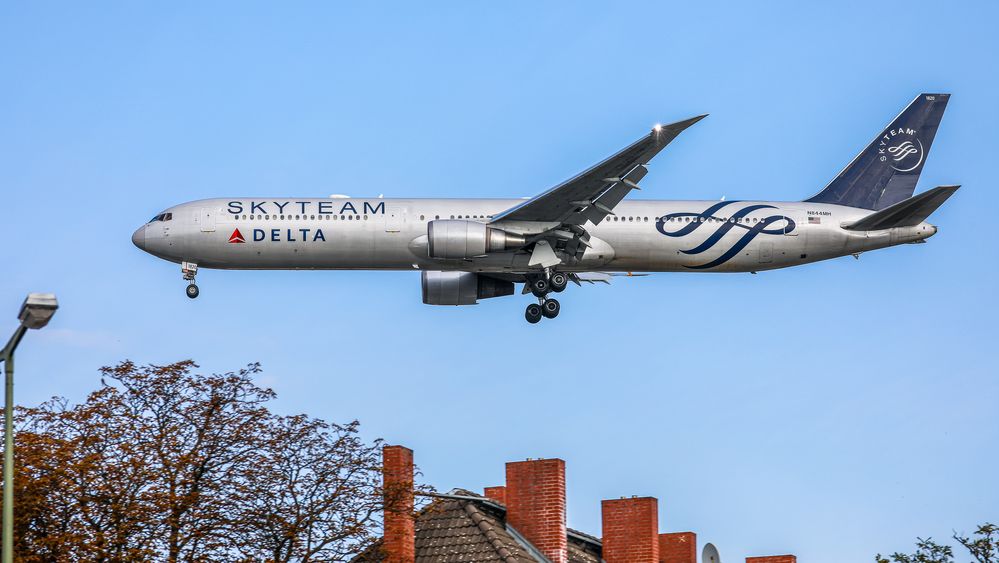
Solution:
(391, 234)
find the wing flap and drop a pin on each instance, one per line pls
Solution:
(598, 208)
(601, 277)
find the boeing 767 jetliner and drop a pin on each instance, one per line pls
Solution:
(580, 231)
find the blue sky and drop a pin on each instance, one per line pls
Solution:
(833, 411)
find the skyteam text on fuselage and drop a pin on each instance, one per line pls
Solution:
(581, 231)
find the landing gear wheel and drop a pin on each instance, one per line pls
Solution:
(550, 308)
(559, 281)
(190, 269)
(533, 313)
(540, 287)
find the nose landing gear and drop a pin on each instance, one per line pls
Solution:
(190, 269)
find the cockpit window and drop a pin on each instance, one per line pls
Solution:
(162, 217)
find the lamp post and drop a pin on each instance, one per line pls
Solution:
(35, 313)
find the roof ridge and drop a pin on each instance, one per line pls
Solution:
(463, 495)
(584, 536)
(486, 528)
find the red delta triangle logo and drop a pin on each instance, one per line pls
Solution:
(236, 237)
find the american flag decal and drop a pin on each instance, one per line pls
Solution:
(814, 220)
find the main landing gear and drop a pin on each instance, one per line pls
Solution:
(547, 308)
(550, 308)
(533, 313)
(558, 281)
(541, 286)
(190, 269)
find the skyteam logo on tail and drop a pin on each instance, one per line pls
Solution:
(901, 149)
(694, 221)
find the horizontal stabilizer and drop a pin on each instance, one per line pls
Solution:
(906, 213)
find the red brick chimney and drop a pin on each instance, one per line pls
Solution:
(535, 505)
(497, 494)
(631, 530)
(773, 559)
(399, 540)
(678, 547)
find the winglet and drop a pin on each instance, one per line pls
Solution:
(675, 128)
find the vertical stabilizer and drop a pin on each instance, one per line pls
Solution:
(886, 171)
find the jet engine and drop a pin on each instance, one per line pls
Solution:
(461, 288)
(454, 240)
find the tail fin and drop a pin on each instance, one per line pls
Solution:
(886, 171)
(906, 213)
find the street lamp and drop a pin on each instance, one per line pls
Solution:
(36, 311)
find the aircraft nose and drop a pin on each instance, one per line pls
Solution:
(139, 237)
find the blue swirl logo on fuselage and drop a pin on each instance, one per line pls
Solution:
(706, 217)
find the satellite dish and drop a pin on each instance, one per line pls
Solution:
(710, 554)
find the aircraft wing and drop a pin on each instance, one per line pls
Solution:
(592, 195)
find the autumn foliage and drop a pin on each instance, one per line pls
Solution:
(162, 464)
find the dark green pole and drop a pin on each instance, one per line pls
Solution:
(7, 355)
(8, 458)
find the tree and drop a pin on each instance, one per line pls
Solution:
(983, 545)
(163, 464)
(82, 483)
(310, 494)
(927, 551)
(199, 431)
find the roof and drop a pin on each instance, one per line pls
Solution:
(468, 528)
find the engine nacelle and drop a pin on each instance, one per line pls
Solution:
(455, 239)
(461, 288)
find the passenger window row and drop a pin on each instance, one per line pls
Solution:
(327, 217)
(300, 217)
(746, 220)
(437, 217)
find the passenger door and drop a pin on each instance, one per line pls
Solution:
(206, 219)
(395, 218)
(766, 252)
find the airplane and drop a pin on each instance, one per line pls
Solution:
(580, 231)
